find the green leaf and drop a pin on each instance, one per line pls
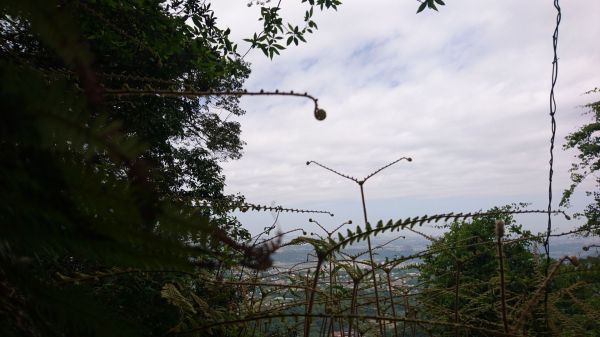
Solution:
(422, 7)
(431, 4)
(264, 50)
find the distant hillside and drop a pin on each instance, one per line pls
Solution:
(291, 255)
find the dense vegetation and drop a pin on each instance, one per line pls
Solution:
(587, 142)
(94, 181)
(113, 219)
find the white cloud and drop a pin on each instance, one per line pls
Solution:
(463, 91)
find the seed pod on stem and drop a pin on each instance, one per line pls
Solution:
(499, 228)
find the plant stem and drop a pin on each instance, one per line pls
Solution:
(389, 282)
(502, 284)
(362, 195)
(456, 288)
(405, 296)
(352, 307)
(312, 299)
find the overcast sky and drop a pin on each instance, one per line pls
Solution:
(464, 92)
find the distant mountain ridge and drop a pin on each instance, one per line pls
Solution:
(290, 255)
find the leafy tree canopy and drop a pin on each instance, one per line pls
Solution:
(586, 141)
(93, 182)
(465, 258)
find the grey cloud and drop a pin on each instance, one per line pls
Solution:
(463, 91)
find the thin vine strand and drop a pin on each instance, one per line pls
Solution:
(553, 135)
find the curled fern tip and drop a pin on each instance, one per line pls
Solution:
(320, 114)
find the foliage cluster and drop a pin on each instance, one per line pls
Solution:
(93, 182)
(587, 142)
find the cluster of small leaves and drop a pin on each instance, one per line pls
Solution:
(204, 26)
(587, 142)
(320, 246)
(431, 4)
(269, 40)
(194, 309)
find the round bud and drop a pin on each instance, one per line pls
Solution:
(320, 114)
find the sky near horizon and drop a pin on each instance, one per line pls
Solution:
(463, 91)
